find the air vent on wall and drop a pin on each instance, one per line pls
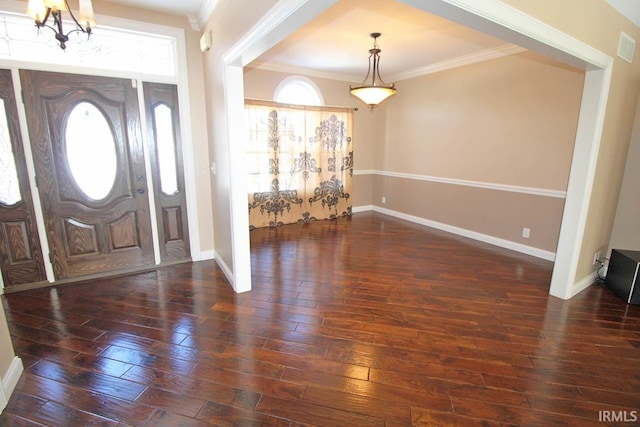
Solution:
(626, 47)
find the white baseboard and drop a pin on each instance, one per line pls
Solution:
(226, 270)
(10, 381)
(203, 256)
(366, 208)
(583, 284)
(496, 241)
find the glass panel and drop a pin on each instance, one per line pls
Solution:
(91, 151)
(9, 188)
(106, 49)
(298, 92)
(166, 146)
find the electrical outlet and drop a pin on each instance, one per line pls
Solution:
(384, 200)
(596, 257)
(526, 232)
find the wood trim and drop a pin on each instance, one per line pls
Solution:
(544, 192)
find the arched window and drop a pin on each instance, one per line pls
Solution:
(298, 90)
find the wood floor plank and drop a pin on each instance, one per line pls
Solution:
(178, 403)
(304, 412)
(364, 321)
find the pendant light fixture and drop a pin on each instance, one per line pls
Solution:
(41, 10)
(373, 90)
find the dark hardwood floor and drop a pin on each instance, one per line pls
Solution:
(364, 322)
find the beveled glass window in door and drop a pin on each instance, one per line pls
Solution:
(9, 187)
(166, 146)
(91, 151)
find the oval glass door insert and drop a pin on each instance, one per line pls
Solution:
(91, 151)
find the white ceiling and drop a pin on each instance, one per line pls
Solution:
(179, 7)
(336, 43)
(629, 8)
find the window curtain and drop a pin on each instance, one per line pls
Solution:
(300, 162)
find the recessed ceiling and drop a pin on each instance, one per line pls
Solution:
(335, 44)
(338, 41)
(179, 7)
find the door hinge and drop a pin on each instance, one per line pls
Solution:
(50, 258)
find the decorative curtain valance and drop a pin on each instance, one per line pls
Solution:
(300, 163)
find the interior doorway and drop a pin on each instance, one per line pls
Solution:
(492, 18)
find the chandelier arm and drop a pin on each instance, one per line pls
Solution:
(59, 34)
(79, 28)
(44, 21)
(364, 81)
(377, 74)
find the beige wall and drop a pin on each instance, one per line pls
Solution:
(6, 348)
(626, 228)
(508, 121)
(599, 25)
(230, 20)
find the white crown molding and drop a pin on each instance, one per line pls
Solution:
(543, 192)
(205, 12)
(309, 72)
(472, 58)
(193, 21)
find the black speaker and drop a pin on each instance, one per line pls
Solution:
(623, 275)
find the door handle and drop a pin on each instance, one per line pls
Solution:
(140, 191)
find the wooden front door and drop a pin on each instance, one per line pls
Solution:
(20, 254)
(88, 155)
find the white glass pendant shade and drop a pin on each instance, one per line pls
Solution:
(373, 95)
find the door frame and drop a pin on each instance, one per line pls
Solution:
(491, 17)
(180, 79)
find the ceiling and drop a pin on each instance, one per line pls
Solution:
(335, 44)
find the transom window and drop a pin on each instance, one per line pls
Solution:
(107, 49)
(298, 90)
